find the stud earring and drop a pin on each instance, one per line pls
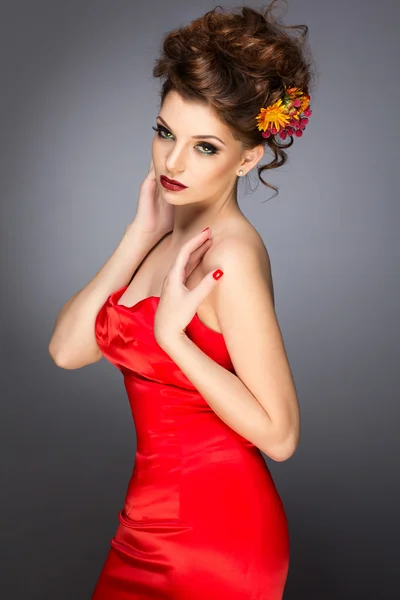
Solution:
(241, 172)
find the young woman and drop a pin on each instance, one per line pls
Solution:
(187, 315)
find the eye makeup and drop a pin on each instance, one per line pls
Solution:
(162, 132)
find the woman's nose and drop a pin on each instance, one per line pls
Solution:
(175, 161)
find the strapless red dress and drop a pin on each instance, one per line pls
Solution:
(202, 518)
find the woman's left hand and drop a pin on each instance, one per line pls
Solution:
(178, 304)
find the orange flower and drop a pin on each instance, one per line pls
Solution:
(275, 115)
(296, 93)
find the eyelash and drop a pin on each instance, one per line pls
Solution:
(213, 149)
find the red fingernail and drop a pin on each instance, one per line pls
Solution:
(204, 229)
(217, 274)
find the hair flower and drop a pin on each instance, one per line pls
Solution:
(287, 116)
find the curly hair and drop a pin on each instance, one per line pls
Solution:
(237, 63)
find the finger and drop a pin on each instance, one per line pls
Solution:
(185, 252)
(151, 176)
(196, 257)
(204, 288)
(202, 248)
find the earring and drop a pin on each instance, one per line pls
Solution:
(241, 172)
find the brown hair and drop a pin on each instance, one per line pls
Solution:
(237, 63)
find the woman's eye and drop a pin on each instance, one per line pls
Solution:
(161, 129)
(209, 148)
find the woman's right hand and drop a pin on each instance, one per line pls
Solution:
(154, 216)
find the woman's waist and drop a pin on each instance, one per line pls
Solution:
(179, 489)
(161, 454)
(202, 437)
(166, 468)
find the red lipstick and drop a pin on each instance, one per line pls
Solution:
(172, 184)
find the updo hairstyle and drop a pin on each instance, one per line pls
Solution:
(237, 64)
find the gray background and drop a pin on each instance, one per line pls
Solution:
(77, 105)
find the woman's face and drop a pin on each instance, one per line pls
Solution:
(206, 165)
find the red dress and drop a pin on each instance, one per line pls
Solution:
(202, 519)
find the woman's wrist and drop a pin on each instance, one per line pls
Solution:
(135, 233)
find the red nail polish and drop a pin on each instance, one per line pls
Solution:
(204, 229)
(217, 274)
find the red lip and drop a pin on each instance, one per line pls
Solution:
(173, 181)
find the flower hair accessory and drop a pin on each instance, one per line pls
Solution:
(287, 116)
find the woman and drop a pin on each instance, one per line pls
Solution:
(188, 317)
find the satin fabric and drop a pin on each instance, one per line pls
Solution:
(202, 518)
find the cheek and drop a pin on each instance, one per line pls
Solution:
(218, 173)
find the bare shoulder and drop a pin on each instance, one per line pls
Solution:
(245, 311)
(240, 246)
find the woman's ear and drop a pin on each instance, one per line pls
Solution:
(252, 157)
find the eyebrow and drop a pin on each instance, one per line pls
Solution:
(196, 137)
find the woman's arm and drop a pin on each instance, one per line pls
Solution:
(73, 343)
(229, 398)
(258, 401)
